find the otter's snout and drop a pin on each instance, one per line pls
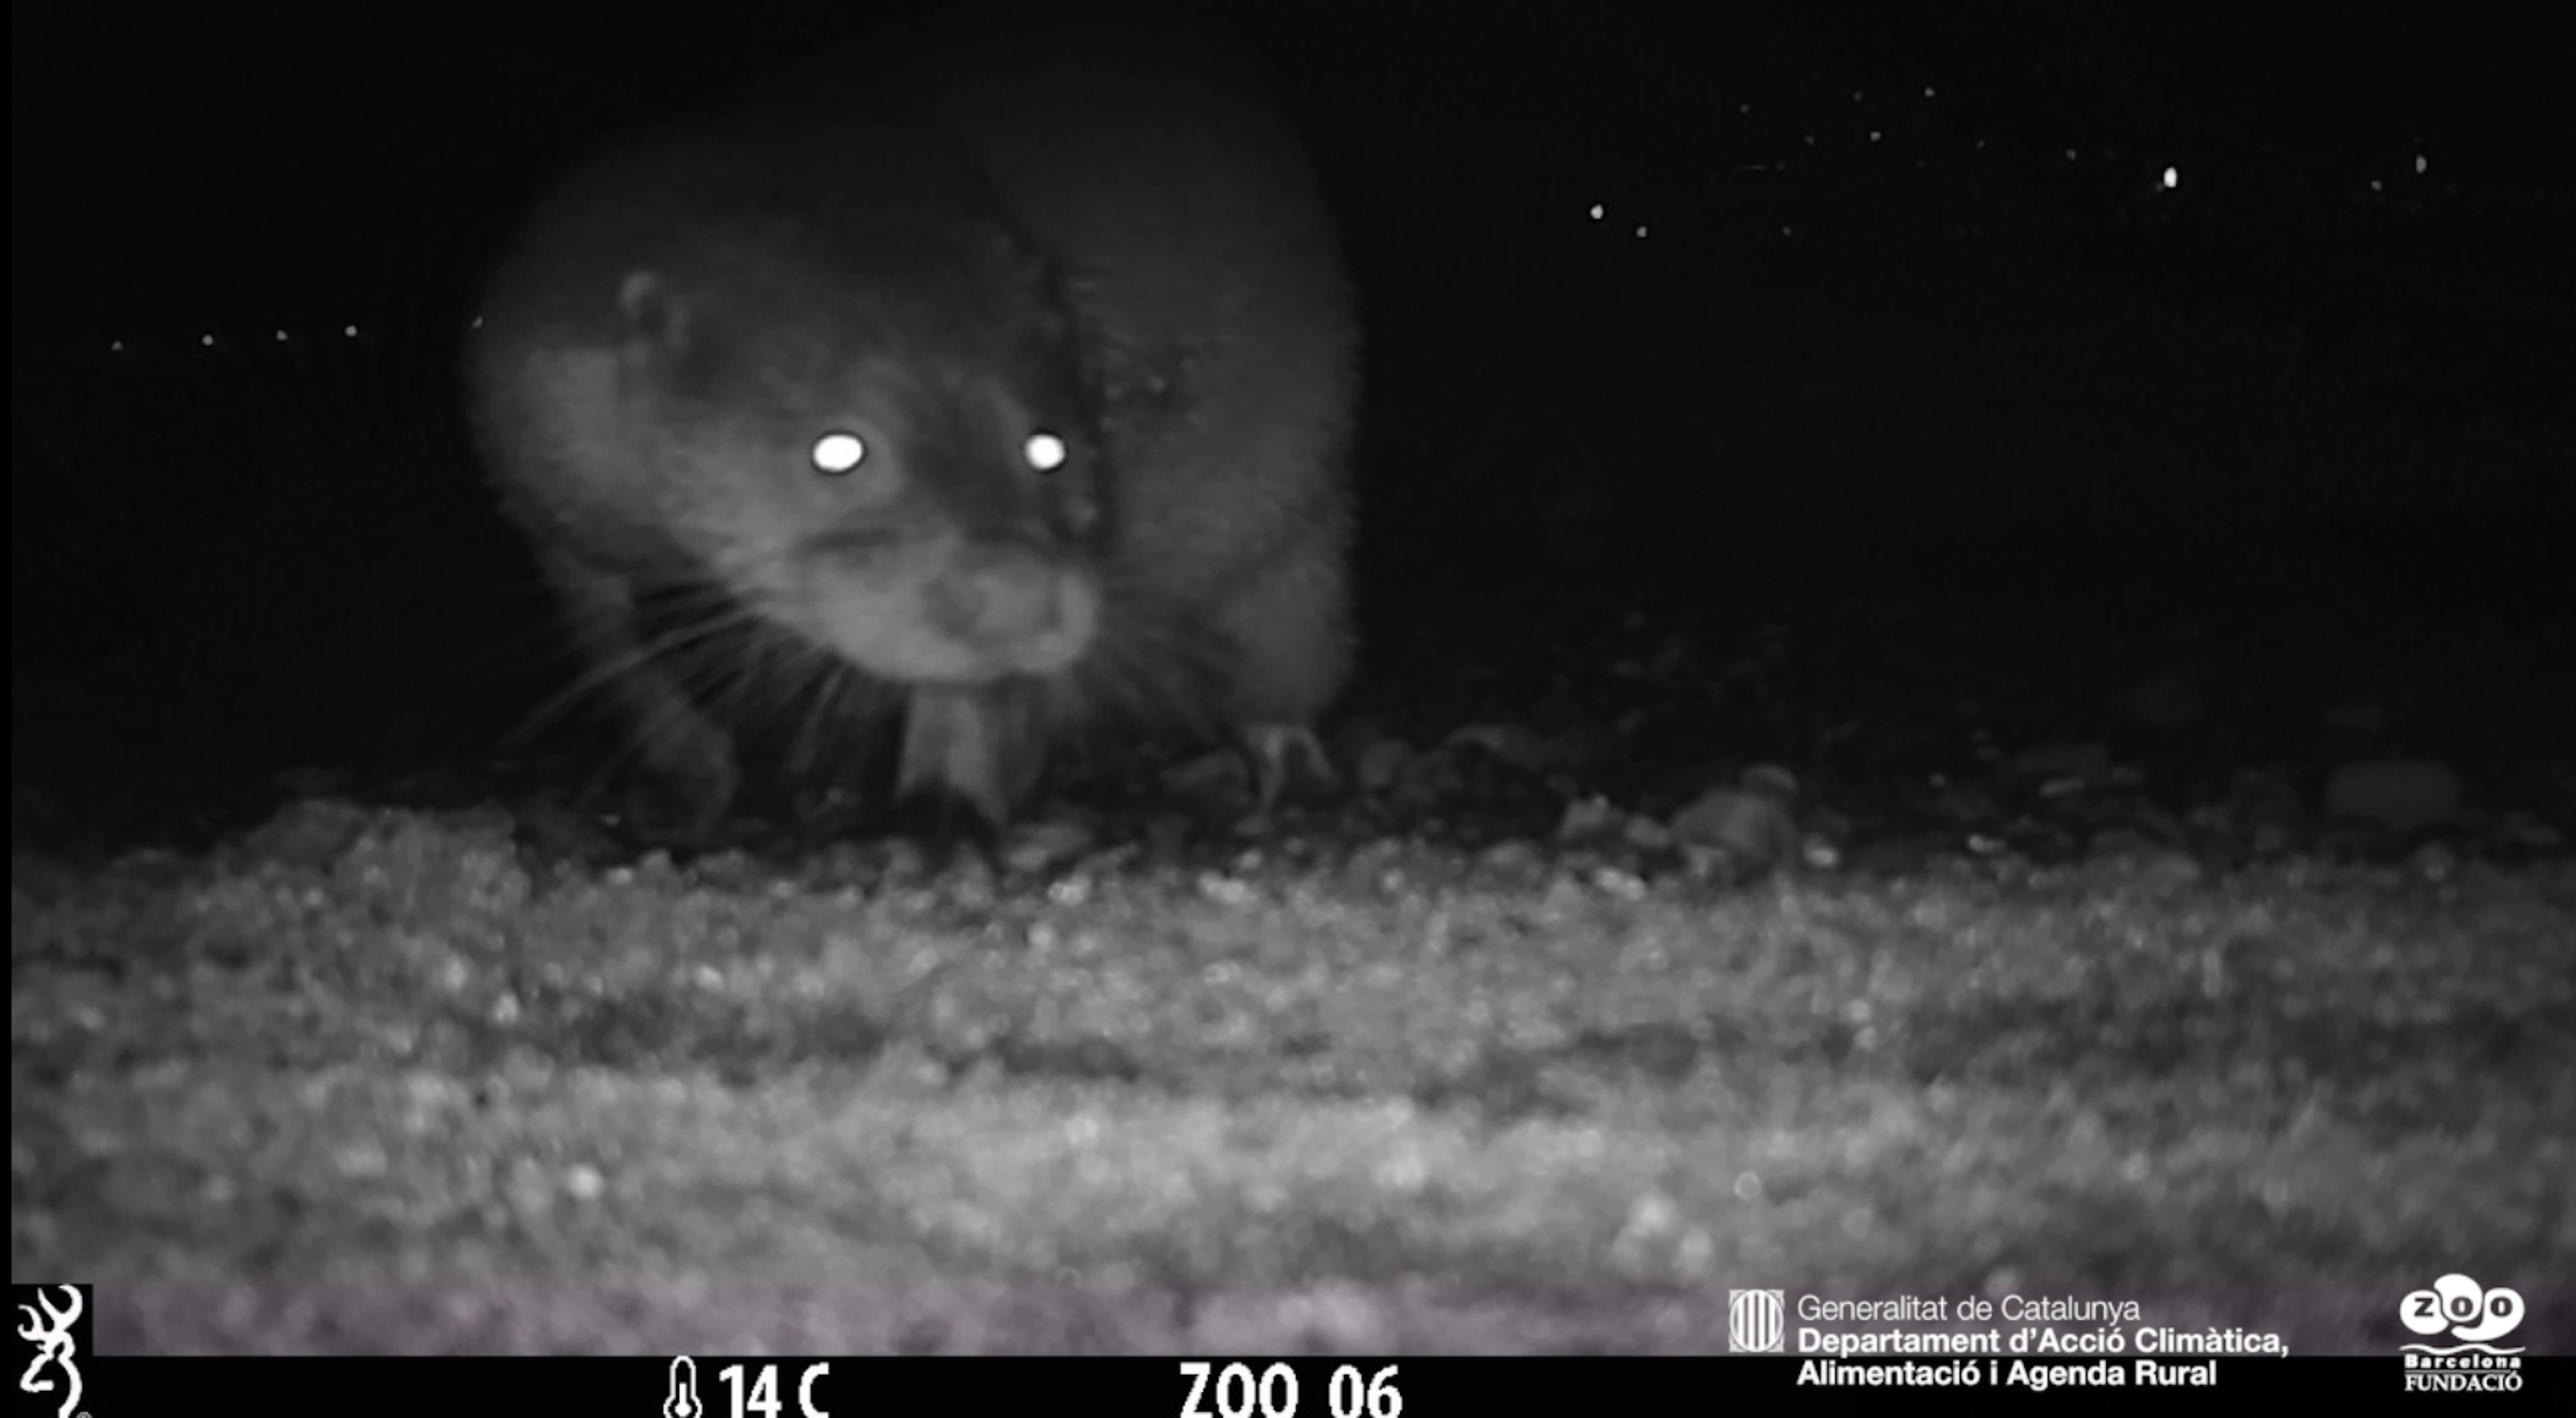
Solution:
(995, 597)
(1012, 610)
(956, 614)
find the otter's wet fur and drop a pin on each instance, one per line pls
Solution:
(986, 385)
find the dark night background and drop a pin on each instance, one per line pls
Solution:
(1911, 318)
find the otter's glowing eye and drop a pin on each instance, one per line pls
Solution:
(1045, 452)
(838, 453)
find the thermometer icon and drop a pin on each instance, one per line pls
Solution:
(682, 1400)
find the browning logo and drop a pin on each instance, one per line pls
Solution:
(54, 1320)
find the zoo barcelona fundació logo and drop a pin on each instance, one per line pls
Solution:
(2472, 1315)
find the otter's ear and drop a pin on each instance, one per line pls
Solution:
(654, 318)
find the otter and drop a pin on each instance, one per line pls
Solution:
(987, 384)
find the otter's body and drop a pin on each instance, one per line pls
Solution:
(1006, 404)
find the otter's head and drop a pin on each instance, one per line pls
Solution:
(880, 441)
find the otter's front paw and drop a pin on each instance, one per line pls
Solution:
(1286, 758)
(689, 783)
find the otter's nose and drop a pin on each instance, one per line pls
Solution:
(996, 596)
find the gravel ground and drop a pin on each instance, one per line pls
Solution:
(384, 1081)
